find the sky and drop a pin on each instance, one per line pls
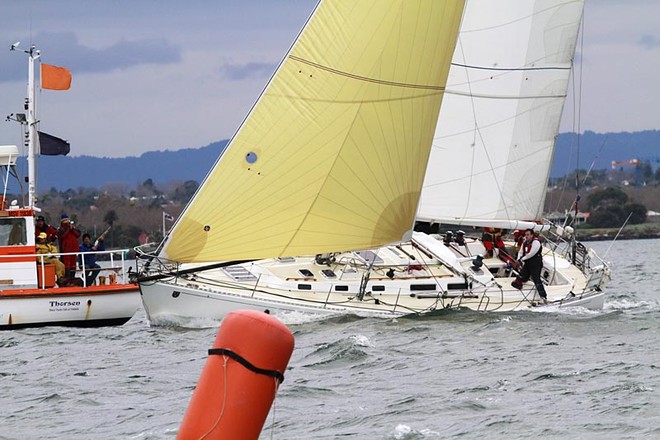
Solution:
(165, 74)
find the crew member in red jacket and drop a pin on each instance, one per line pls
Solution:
(41, 226)
(492, 239)
(68, 236)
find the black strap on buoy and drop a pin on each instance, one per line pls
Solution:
(241, 360)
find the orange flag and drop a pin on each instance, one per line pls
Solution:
(55, 78)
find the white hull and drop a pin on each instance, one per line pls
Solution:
(93, 307)
(277, 286)
(165, 300)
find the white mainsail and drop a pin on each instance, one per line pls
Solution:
(494, 143)
(333, 154)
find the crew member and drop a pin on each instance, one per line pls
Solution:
(68, 236)
(43, 247)
(41, 226)
(532, 260)
(90, 266)
(492, 239)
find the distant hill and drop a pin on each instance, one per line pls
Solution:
(63, 172)
(603, 148)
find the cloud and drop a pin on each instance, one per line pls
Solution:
(236, 72)
(649, 41)
(64, 49)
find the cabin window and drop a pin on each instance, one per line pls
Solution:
(422, 287)
(12, 232)
(304, 287)
(378, 288)
(457, 286)
(328, 273)
(341, 288)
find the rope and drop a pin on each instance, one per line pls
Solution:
(241, 360)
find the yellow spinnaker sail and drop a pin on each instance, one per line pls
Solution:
(333, 154)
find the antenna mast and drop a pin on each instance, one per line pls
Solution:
(31, 121)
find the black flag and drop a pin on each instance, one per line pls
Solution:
(53, 146)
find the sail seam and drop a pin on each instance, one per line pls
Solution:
(365, 78)
(512, 69)
(475, 95)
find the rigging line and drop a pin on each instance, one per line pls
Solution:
(579, 119)
(508, 163)
(497, 183)
(594, 161)
(453, 92)
(577, 92)
(474, 140)
(525, 17)
(566, 174)
(274, 419)
(177, 272)
(365, 78)
(511, 69)
(617, 235)
(435, 278)
(492, 124)
(210, 173)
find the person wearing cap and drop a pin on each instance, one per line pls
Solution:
(43, 247)
(68, 236)
(41, 226)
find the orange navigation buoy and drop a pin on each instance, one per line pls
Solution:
(241, 376)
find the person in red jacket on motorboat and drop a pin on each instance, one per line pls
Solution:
(68, 236)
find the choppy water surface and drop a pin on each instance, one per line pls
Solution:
(457, 374)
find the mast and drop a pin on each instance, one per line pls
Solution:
(31, 121)
(33, 54)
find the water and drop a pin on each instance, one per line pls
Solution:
(457, 374)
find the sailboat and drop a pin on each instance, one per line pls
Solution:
(29, 293)
(503, 98)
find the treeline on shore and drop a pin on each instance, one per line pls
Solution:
(139, 215)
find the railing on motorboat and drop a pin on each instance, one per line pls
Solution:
(113, 261)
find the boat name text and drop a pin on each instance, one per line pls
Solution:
(64, 303)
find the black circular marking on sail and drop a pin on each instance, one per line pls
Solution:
(207, 228)
(241, 360)
(251, 157)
